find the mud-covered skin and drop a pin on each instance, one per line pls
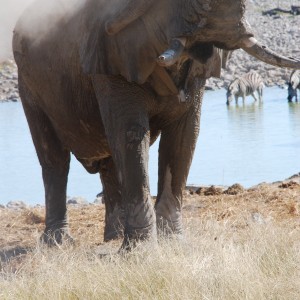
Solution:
(104, 98)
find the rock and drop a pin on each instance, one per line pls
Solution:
(99, 200)
(209, 191)
(234, 189)
(38, 206)
(289, 185)
(2, 206)
(16, 205)
(77, 200)
(295, 176)
(258, 218)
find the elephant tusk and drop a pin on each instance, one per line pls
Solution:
(172, 54)
(263, 53)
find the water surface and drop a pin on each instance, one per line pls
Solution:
(248, 143)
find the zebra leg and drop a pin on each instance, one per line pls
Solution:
(260, 93)
(253, 95)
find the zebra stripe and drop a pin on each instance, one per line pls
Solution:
(246, 85)
(293, 85)
(295, 79)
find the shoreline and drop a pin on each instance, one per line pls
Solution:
(201, 190)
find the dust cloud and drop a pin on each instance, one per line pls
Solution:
(9, 14)
(36, 22)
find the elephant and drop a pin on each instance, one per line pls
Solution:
(104, 81)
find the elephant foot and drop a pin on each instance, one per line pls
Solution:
(133, 237)
(114, 225)
(169, 227)
(140, 224)
(113, 233)
(168, 217)
(53, 237)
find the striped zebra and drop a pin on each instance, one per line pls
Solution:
(293, 85)
(292, 93)
(244, 86)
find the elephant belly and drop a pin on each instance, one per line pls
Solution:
(86, 140)
(80, 128)
(71, 106)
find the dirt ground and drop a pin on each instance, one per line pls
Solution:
(276, 203)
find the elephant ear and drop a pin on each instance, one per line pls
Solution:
(129, 52)
(132, 50)
(115, 43)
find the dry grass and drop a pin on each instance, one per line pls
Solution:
(243, 246)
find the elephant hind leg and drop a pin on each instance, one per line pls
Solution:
(176, 149)
(54, 160)
(114, 208)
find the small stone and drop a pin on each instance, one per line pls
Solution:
(99, 200)
(234, 189)
(289, 185)
(212, 191)
(258, 218)
(77, 200)
(16, 205)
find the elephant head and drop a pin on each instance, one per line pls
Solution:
(141, 34)
(214, 20)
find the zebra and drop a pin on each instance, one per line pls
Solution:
(292, 93)
(293, 85)
(244, 86)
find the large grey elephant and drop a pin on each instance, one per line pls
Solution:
(104, 81)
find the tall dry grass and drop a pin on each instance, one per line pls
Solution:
(213, 261)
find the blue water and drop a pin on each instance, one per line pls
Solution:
(248, 143)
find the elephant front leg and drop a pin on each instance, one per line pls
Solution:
(126, 123)
(55, 183)
(176, 151)
(114, 208)
(54, 160)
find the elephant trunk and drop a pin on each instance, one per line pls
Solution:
(261, 52)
